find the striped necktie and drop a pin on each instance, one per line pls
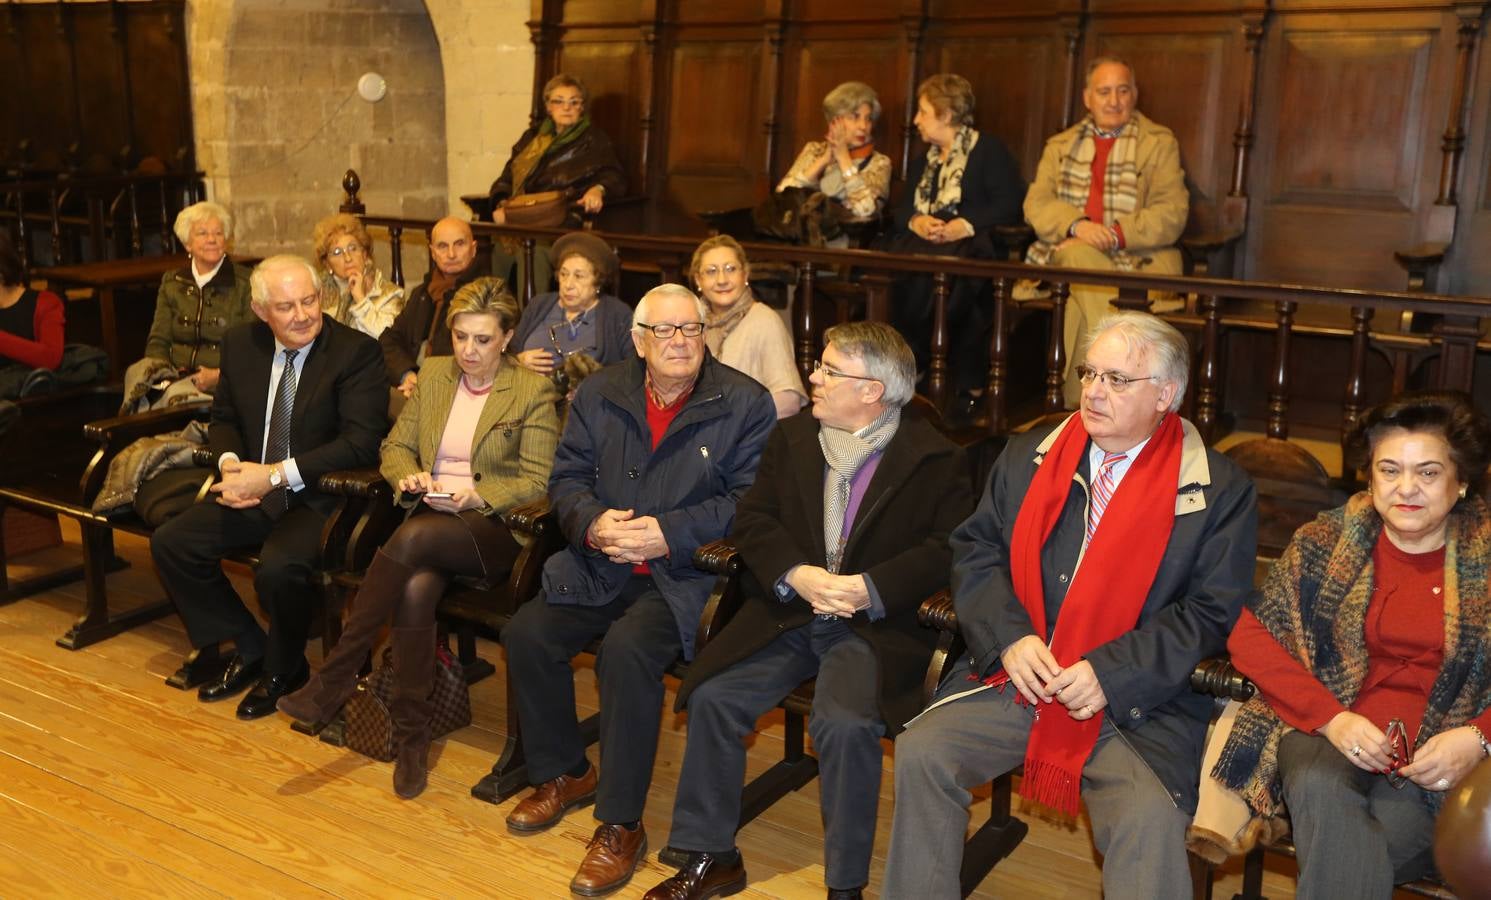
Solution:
(278, 447)
(1102, 492)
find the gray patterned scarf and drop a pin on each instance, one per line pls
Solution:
(940, 190)
(845, 452)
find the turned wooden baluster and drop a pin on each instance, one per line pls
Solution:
(1456, 337)
(396, 254)
(1056, 352)
(670, 270)
(351, 203)
(877, 296)
(56, 228)
(136, 233)
(1278, 395)
(528, 245)
(1133, 298)
(994, 391)
(806, 325)
(23, 234)
(937, 370)
(1361, 343)
(1208, 371)
(165, 217)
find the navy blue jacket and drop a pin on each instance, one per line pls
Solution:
(691, 483)
(613, 326)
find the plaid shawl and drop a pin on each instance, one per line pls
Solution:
(1120, 186)
(1315, 604)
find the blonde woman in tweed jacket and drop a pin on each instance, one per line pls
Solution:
(477, 439)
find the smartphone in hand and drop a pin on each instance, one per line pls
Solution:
(438, 495)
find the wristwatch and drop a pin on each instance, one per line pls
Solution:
(276, 478)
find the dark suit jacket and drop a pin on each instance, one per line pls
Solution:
(341, 402)
(992, 187)
(918, 494)
(1198, 592)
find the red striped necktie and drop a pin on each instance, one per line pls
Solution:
(1102, 492)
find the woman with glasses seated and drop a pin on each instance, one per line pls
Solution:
(475, 440)
(579, 318)
(1368, 644)
(353, 291)
(742, 333)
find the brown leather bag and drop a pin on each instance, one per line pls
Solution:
(369, 729)
(545, 209)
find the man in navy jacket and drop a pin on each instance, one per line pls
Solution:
(655, 454)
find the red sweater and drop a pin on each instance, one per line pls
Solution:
(1103, 146)
(45, 351)
(1405, 650)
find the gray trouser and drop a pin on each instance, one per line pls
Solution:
(845, 727)
(1354, 833)
(976, 738)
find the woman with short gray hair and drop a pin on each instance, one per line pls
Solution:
(195, 306)
(845, 166)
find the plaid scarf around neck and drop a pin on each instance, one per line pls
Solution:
(1120, 185)
(1315, 604)
(1107, 593)
(940, 191)
(845, 452)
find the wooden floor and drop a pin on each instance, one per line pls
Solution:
(114, 785)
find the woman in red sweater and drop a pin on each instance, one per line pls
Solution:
(1368, 646)
(30, 325)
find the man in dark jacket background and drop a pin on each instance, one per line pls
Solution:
(843, 535)
(1085, 610)
(655, 454)
(454, 262)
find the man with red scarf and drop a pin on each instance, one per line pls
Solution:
(1106, 558)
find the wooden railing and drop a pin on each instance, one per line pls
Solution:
(89, 219)
(1432, 341)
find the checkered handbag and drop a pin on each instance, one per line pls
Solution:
(369, 728)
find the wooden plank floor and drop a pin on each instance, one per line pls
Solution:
(112, 784)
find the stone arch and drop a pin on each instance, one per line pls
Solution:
(278, 120)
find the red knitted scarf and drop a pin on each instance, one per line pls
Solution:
(1107, 592)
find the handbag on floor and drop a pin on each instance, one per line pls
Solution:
(369, 728)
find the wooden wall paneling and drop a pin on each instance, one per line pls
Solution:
(155, 35)
(715, 115)
(1467, 269)
(48, 72)
(1439, 227)
(1016, 69)
(15, 116)
(544, 33)
(773, 38)
(102, 88)
(913, 43)
(1190, 80)
(1350, 108)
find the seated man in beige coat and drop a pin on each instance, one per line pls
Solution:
(1109, 194)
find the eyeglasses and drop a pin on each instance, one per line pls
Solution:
(335, 252)
(571, 103)
(830, 372)
(1116, 383)
(1397, 737)
(712, 271)
(665, 330)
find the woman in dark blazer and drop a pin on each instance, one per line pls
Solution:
(476, 439)
(966, 184)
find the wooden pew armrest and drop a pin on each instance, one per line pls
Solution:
(1204, 243)
(122, 430)
(1421, 255)
(532, 518)
(937, 612)
(1218, 678)
(719, 557)
(723, 559)
(364, 483)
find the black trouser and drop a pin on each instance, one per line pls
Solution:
(640, 642)
(188, 552)
(845, 727)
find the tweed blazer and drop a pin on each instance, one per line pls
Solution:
(513, 448)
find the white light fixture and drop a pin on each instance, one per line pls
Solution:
(371, 87)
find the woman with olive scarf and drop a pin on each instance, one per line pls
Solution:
(564, 153)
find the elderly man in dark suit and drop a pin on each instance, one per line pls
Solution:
(300, 395)
(843, 535)
(654, 457)
(1107, 557)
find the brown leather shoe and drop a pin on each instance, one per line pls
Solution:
(550, 801)
(703, 876)
(613, 855)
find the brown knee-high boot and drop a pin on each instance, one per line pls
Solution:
(411, 709)
(328, 690)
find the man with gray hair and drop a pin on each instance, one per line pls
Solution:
(654, 456)
(843, 535)
(299, 395)
(1106, 558)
